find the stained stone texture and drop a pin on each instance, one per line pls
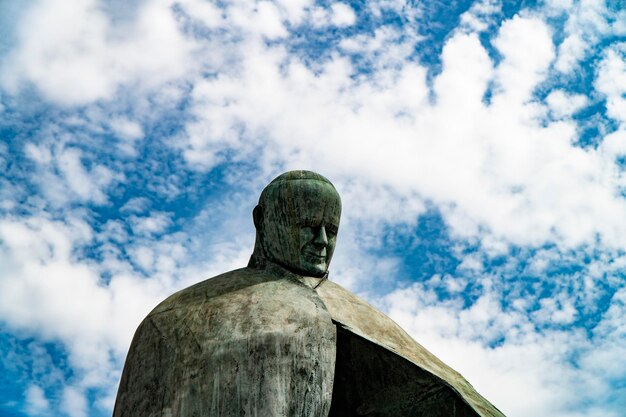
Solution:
(246, 343)
(279, 339)
(389, 384)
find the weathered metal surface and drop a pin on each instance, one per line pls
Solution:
(297, 220)
(246, 343)
(279, 339)
(360, 318)
(387, 384)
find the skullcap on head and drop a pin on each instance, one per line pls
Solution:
(289, 176)
(299, 175)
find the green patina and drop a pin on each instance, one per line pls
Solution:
(279, 339)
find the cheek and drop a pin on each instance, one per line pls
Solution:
(306, 236)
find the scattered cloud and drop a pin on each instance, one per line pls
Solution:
(339, 14)
(611, 81)
(480, 15)
(80, 54)
(563, 105)
(74, 402)
(138, 135)
(36, 401)
(549, 366)
(587, 22)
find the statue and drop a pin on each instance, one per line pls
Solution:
(277, 338)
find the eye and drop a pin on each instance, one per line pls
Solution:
(307, 231)
(331, 229)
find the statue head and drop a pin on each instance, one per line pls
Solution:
(296, 220)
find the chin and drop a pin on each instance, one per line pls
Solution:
(317, 272)
(313, 270)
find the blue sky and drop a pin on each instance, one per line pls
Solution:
(479, 148)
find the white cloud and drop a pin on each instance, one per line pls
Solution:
(269, 20)
(391, 104)
(559, 5)
(93, 307)
(480, 15)
(85, 184)
(496, 155)
(135, 205)
(475, 144)
(203, 11)
(74, 402)
(614, 145)
(495, 347)
(92, 319)
(339, 14)
(611, 81)
(520, 71)
(467, 70)
(563, 105)
(388, 47)
(63, 176)
(264, 19)
(77, 55)
(294, 10)
(36, 401)
(342, 14)
(588, 21)
(555, 311)
(619, 24)
(126, 129)
(571, 51)
(156, 222)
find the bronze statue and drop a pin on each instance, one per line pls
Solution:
(277, 338)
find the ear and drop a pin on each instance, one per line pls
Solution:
(257, 217)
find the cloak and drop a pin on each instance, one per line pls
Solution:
(267, 342)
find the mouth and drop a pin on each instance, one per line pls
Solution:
(316, 257)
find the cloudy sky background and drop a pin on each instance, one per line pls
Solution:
(479, 148)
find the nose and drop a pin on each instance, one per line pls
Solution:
(321, 239)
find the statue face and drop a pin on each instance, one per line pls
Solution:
(317, 241)
(299, 224)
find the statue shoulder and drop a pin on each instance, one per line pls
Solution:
(219, 285)
(363, 319)
(359, 317)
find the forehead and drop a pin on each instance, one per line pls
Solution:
(305, 199)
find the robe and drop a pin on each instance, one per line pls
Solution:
(267, 342)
